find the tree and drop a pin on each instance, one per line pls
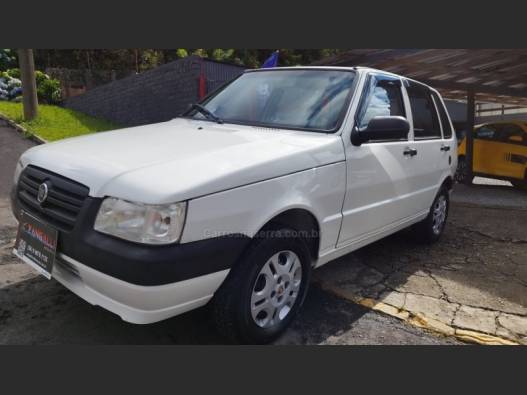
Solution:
(7, 59)
(29, 84)
(125, 59)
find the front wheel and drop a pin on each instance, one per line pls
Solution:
(430, 229)
(265, 290)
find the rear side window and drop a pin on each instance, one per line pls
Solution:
(382, 98)
(426, 124)
(445, 123)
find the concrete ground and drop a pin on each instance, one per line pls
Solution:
(490, 193)
(470, 286)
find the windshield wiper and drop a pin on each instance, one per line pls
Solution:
(208, 114)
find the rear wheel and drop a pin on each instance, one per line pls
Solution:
(265, 291)
(461, 175)
(430, 229)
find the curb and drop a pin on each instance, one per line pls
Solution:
(25, 133)
(422, 321)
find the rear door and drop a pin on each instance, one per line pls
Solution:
(485, 155)
(448, 143)
(430, 162)
(511, 151)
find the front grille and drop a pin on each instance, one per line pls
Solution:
(65, 197)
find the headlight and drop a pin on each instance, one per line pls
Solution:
(141, 223)
(18, 170)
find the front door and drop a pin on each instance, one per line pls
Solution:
(377, 181)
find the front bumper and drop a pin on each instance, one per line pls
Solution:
(134, 303)
(140, 264)
(140, 283)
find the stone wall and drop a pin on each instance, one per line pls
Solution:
(156, 95)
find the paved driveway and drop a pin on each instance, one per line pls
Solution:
(472, 284)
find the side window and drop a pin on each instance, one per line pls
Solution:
(382, 97)
(486, 132)
(426, 124)
(443, 116)
(512, 134)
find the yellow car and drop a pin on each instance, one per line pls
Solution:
(500, 151)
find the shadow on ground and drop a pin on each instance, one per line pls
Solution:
(38, 311)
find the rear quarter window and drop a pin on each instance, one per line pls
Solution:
(443, 116)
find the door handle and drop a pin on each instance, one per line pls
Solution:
(410, 151)
(445, 148)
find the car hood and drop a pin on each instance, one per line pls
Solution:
(182, 158)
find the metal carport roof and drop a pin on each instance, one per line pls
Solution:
(494, 75)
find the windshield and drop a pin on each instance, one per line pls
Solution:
(298, 99)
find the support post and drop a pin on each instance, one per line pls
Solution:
(471, 114)
(29, 84)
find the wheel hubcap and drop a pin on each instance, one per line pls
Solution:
(276, 289)
(439, 214)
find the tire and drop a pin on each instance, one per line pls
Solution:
(431, 228)
(461, 175)
(237, 309)
(521, 184)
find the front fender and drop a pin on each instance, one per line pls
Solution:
(245, 210)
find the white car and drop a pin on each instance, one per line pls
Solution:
(236, 201)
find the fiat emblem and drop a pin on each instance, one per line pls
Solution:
(42, 193)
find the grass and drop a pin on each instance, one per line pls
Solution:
(55, 123)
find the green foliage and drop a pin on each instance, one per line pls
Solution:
(223, 54)
(40, 77)
(181, 53)
(144, 59)
(48, 90)
(254, 58)
(13, 73)
(200, 52)
(10, 87)
(55, 123)
(7, 59)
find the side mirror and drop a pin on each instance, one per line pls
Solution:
(382, 128)
(516, 139)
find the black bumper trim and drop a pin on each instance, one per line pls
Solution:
(144, 264)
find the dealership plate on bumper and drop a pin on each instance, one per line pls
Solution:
(36, 244)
